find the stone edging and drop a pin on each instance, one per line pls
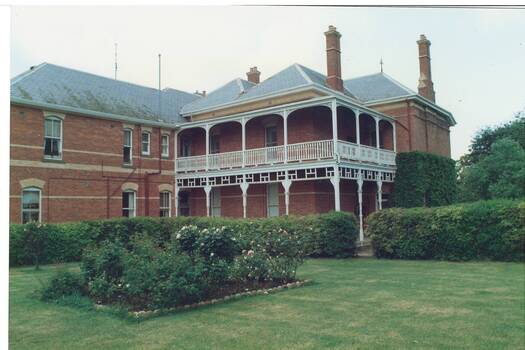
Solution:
(138, 315)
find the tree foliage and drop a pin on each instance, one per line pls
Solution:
(500, 174)
(483, 139)
(495, 164)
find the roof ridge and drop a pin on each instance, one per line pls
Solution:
(303, 73)
(363, 76)
(104, 77)
(27, 73)
(241, 87)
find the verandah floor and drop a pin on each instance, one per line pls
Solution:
(357, 303)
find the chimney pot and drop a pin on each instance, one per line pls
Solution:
(253, 75)
(333, 59)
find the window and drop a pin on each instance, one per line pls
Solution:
(270, 136)
(53, 138)
(127, 150)
(184, 203)
(30, 205)
(165, 145)
(145, 143)
(186, 147)
(128, 204)
(270, 140)
(165, 204)
(272, 199)
(215, 199)
(214, 144)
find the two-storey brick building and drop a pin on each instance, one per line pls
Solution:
(299, 142)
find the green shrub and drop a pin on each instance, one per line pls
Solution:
(328, 235)
(338, 234)
(63, 283)
(480, 230)
(424, 179)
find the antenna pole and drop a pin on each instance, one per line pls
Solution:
(159, 86)
(115, 61)
(381, 63)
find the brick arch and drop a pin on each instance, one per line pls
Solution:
(165, 187)
(130, 186)
(32, 182)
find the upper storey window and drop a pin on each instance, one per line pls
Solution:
(165, 143)
(127, 153)
(146, 136)
(53, 138)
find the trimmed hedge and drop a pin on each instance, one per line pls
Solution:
(493, 230)
(424, 180)
(327, 235)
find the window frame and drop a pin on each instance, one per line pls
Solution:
(22, 210)
(53, 118)
(167, 153)
(148, 152)
(215, 143)
(185, 146)
(130, 146)
(183, 206)
(266, 129)
(168, 208)
(134, 208)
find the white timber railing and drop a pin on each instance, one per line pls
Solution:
(363, 153)
(296, 152)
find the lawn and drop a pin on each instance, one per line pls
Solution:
(357, 303)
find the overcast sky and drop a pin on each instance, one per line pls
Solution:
(478, 56)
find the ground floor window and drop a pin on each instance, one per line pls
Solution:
(30, 205)
(128, 204)
(272, 199)
(165, 204)
(215, 199)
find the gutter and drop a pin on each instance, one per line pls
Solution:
(82, 111)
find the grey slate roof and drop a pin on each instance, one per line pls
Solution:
(377, 86)
(48, 83)
(226, 93)
(294, 76)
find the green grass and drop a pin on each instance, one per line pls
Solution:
(359, 304)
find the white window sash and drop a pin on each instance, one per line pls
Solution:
(145, 143)
(128, 145)
(32, 210)
(53, 131)
(165, 143)
(166, 205)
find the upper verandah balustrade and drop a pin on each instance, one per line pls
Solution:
(312, 133)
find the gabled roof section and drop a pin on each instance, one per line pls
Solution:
(290, 78)
(226, 93)
(51, 84)
(377, 86)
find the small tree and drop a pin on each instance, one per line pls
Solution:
(36, 239)
(500, 174)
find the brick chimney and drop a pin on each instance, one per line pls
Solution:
(333, 59)
(426, 86)
(254, 75)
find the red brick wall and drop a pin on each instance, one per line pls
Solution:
(91, 169)
(418, 128)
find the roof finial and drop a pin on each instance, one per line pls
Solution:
(381, 63)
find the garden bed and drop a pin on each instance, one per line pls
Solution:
(235, 293)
